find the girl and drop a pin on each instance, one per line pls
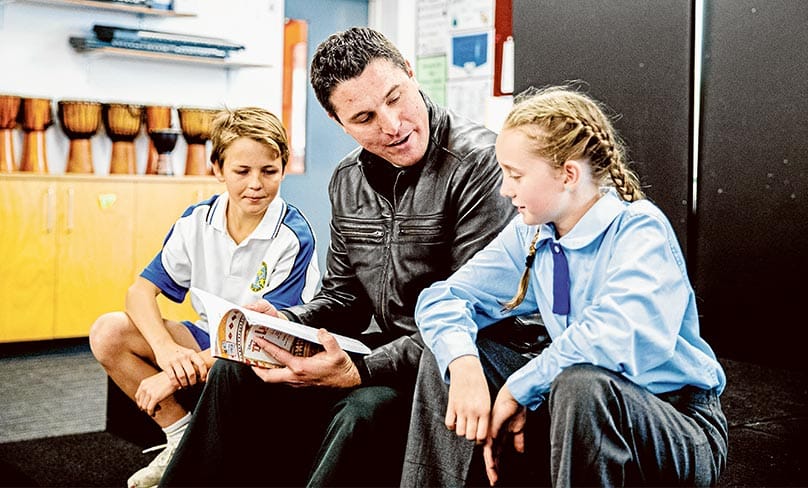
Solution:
(628, 387)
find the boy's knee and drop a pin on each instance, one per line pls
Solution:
(107, 334)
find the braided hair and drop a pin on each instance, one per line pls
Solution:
(566, 124)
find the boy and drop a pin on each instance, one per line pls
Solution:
(245, 245)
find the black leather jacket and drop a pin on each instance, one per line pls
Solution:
(395, 231)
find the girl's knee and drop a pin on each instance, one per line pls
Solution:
(580, 383)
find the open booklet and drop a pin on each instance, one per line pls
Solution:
(233, 330)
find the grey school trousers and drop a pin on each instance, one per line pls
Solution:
(595, 429)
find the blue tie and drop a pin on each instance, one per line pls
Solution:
(561, 281)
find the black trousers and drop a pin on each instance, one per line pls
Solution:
(245, 432)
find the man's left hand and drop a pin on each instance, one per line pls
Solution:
(331, 367)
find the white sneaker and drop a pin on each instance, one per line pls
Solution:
(150, 475)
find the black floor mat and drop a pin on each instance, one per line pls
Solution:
(94, 459)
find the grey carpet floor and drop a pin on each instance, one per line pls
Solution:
(58, 391)
(53, 410)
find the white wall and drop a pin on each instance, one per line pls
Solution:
(396, 20)
(36, 60)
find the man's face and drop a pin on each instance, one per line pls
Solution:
(384, 112)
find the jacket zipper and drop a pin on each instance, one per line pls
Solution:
(418, 231)
(386, 269)
(363, 233)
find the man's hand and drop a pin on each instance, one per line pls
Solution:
(182, 365)
(332, 367)
(469, 400)
(508, 418)
(154, 390)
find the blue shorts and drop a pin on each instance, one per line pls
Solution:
(202, 337)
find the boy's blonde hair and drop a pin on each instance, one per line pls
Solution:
(257, 123)
(565, 124)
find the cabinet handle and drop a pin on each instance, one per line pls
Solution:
(50, 203)
(70, 194)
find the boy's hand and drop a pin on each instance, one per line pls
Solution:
(154, 390)
(184, 366)
(331, 368)
(469, 400)
(263, 306)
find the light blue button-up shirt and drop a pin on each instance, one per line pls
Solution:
(632, 308)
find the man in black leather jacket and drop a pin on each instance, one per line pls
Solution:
(409, 206)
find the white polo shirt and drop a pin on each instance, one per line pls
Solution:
(277, 261)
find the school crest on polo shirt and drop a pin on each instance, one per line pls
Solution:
(260, 278)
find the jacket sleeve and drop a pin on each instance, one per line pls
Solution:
(480, 211)
(394, 363)
(341, 305)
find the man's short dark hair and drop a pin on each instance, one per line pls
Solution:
(345, 55)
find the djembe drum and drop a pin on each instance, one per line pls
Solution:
(9, 109)
(122, 123)
(35, 117)
(80, 120)
(196, 127)
(164, 141)
(157, 117)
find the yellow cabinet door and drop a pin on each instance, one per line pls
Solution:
(28, 264)
(95, 254)
(159, 203)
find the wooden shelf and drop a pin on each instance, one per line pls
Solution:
(118, 7)
(151, 56)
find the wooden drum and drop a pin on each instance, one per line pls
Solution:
(157, 118)
(35, 117)
(9, 109)
(196, 127)
(80, 120)
(122, 123)
(164, 141)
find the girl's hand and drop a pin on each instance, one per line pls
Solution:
(469, 400)
(508, 418)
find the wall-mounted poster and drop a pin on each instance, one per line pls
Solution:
(471, 56)
(431, 75)
(471, 14)
(455, 64)
(432, 27)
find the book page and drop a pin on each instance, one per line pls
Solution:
(217, 309)
(236, 340)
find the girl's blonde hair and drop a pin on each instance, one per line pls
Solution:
(565, 124)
